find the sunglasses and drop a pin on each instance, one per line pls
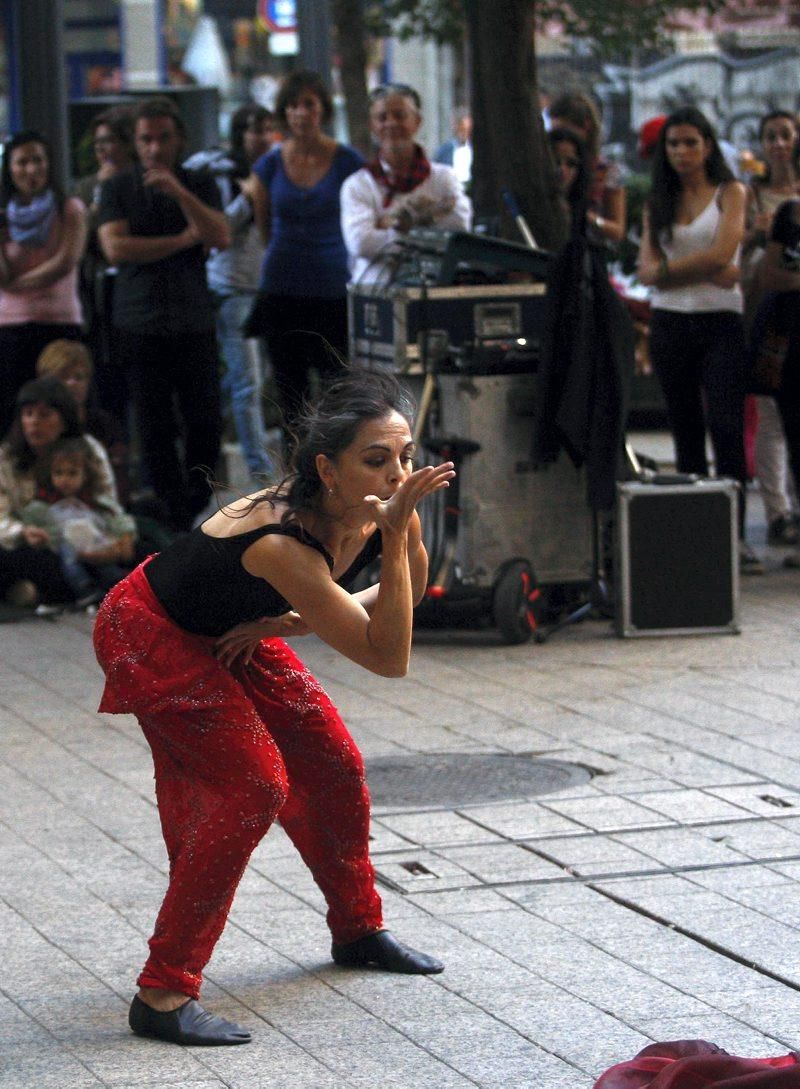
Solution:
(387, 89)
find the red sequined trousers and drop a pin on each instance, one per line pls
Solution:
(234, 749)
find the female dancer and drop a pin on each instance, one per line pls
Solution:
(780, 144)
(241, 733)
(41, 245)
(302, 306)
(691, 240)
(399, 188)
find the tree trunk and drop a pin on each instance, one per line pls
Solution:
(509, 141)
(351, 38)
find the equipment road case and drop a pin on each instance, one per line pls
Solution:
(676, 559)
(387, 324)
(505, 535)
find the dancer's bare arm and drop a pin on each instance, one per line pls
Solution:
(378, 639)
(243, 639)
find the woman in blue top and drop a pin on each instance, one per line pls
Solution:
(302, 305)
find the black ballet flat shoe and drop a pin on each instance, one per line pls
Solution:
(189, 1025)
(384, 951)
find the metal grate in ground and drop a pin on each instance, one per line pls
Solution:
(454, 779)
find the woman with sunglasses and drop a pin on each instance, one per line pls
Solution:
(42, 240)
(399, 189)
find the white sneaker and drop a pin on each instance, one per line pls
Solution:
(49, 611)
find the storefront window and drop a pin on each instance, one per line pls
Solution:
(225, 44)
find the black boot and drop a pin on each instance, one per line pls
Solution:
(189, 1025)
(384, 951)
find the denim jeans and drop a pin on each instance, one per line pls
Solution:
(77, 577)
(243, 381)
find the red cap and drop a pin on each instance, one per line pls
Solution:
(649, 134)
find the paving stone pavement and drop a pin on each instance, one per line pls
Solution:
(658, 900)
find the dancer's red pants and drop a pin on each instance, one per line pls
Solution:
(233, 750)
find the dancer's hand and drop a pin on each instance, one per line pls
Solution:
(392, 515)
(241, 641)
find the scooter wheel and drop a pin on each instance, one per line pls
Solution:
(516, 603)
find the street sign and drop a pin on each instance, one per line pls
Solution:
(279, 16)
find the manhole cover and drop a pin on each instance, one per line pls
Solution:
(452, 779)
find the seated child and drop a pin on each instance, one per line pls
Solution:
(92, 535)
(70, 362)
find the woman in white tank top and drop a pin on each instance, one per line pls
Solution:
(690, 254)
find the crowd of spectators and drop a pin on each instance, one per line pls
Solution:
(139, 309)
(133, 309)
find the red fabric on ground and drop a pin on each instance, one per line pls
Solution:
(233, 750)
(697, 1064)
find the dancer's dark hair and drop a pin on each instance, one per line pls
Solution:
(328, 426)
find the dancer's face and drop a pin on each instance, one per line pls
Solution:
(376, 463)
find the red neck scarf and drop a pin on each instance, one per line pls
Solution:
(395, 182)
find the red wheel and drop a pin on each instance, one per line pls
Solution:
(516, 603)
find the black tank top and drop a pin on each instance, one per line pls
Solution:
(202, 585)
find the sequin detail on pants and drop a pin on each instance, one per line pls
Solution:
(233, 750)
